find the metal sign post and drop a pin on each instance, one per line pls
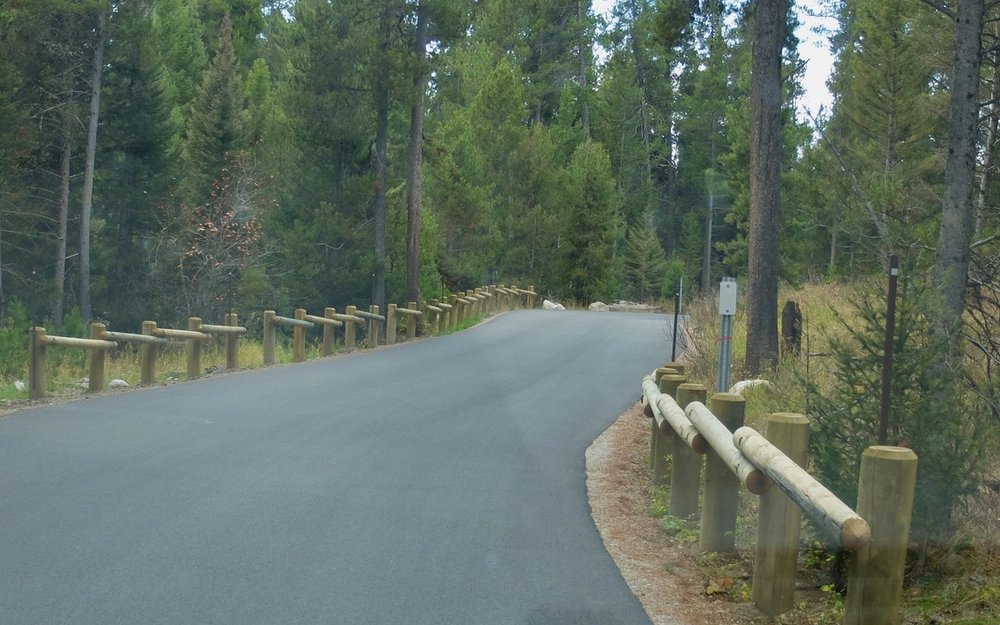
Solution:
(677, 316)
(727, 309)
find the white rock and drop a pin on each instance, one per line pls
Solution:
(547, 305)
(19, 385)
(744, 385)
(599, 307)
(117, 383)
(84, 383)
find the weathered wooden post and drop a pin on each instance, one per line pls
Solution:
(350, 329)
(97, 358)
(194, 349)
(885, 499)
(299, 337)
(676, 366)
(531, 296)
(411, 323)
(722, 495)
(268, 339)
(373, 327)
(778, 523)
(328, 331)
(147, 353)
(36, 363)
(390, 325)
(232, 343)
(662, 435)
(685, 476)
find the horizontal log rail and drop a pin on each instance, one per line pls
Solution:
(369, 316)
(435, 316)
(293, 323)
(216, 329)
(759, 462)
(187, 335)
(69, 341)
(830, 513)
(127, 337)
(326, 321)
(720, 439)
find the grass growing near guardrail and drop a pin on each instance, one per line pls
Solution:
(955, 579)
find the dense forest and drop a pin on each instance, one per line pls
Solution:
(160, 158)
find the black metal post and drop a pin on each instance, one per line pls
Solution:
(677, 312)
(890, 328)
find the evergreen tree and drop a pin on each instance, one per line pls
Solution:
(594, 226)
(216, 127)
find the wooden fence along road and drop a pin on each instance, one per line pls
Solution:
(683, 429)
(438, 317)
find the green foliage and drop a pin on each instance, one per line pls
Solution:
(14, 341)
(645, 264)
(216, 128)
(927, 413)
(594, 226)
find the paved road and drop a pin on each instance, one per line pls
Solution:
(440, 482)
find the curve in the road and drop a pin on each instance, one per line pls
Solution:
(439, 482)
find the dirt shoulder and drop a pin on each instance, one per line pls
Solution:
(664, 575)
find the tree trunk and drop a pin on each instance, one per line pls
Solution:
(765, 185)
(62, 225)
(381, 93)
(960, 170)
(88, 175)
(414, 192)
(989, 145)
(584, 64)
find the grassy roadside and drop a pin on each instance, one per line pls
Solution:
(955, 580)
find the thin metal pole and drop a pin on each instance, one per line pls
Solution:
(677, 314)
(890, 330)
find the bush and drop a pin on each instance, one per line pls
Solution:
(14, 341)
(928, 412)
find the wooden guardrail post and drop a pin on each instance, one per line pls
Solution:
(685, 476)
(194, 349)
(147, 354)
(299, 337)
(411, 323)
(373, 327)
(232, 343)
(350, 330)
(720, 502)
(328, 331)
(97, 358)
(36, 363)
(661, 440)
(885, 499)
(268, 338)
(532, 296)
(390, 324)
(459, 309)
(778, 523)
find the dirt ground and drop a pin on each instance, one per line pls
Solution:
(664, 575)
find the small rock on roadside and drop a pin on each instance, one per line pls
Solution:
(117, 383)
(599, 307)
(19, 385)
(547, 305)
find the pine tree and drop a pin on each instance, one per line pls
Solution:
(594, 226)
(216, 127)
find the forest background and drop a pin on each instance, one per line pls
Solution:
(167, 158)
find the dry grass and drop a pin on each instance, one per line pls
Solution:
(954, 582)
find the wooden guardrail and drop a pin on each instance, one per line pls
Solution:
(683, 428)
(438, 315)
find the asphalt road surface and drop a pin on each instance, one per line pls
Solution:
(439, 482)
